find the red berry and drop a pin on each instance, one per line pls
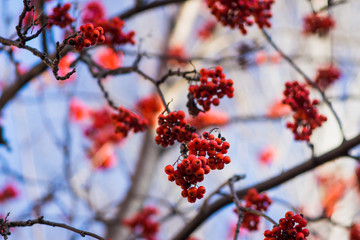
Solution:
(169, 169)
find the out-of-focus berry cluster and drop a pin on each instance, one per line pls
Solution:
(60, 16)
(317, 24)
(210, 118)
(256, 201)
(206, 31)
(110, 128)
(126, 121)
(355, 231)
(149, 107)
(143, 225)
(327, 76)
(306, 117)
(8, 192)
(242, 13)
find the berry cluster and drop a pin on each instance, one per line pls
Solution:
(213, 148)
(306, 117)
(173, 127)
(143, 224)
(107, 129)
(202, 155)
(292, 227)
(89, 36)
(60, 16)
(177, 55)
(109, 58)
(256, 201)
(9, 192)
(327, 76)
(315, 24)
(149, 107)
(239, 13)
(93, 12)
(188, 173)
(355, 231)
(126, 121)
(206, 30)
(213, 86)
(101, 129)
(114, 32)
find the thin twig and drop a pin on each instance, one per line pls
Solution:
(237, 202)
(206, 200)
(41, 220)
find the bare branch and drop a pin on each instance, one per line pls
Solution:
(41, 220)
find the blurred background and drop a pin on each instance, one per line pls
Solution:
(55, 167)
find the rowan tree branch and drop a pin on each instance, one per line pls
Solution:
(7, 225)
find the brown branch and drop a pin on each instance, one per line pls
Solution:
(41, 220)
(138, 9)
(27, 8)
(333, 4)
(106, 94)
(310, 164)
(237, 202)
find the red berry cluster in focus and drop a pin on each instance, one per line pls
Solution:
(327, 76)
(203, 154)
(173, 127)
(292, 227)
(126, 121)
(9, 192)
(212, 148)
(188, 173)
(306, 117)
(143, 224)
(315, 24)
(355, 231)
(89, 36)
(60, 16)
(256, 201)
(213, 86)
(242, 12)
